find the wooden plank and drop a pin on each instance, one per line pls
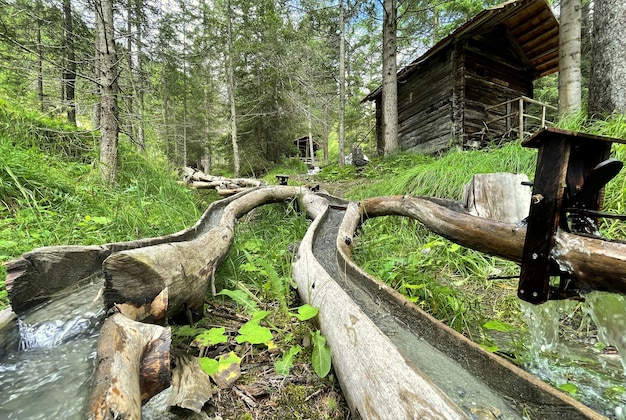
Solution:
(543, 219)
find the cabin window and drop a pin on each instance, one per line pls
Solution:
(480, 71)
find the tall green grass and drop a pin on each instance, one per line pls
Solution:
(50, 197)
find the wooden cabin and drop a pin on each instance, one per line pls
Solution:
(307, 147)
(467, 89)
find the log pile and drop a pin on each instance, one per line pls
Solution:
(194, 178)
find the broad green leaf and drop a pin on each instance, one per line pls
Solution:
(491, 349)
(283, 365)
(253, 333)
(306, 312)
(211, 337)
(241, 298)
(496, 325)
(259, 315)
(321, 355)
(209, 365)
(187, 331)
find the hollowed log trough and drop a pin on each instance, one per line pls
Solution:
(379, 376)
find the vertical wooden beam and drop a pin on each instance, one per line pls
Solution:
(521, 118)
(543, 219)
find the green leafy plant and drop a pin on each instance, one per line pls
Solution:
(283, 365)
(320, 359)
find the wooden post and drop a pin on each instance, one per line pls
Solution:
(521, 118)
(562, 181)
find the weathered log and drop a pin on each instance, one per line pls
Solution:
(198, 179)
(377, 380)
(596, 264)
(191, 386)
(184, 268)
(154, 312)
(133, 364)
(498, 196)
(39, 275)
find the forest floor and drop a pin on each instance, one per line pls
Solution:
(259, 393)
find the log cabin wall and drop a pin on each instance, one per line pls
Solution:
(425, 106)
(494, 72)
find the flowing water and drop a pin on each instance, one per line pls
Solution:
(46, 371)
(584, 366)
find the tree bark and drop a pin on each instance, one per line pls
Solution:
(342, 86)
(132, 365)
(390, 79)
(109, 112)
(69, 70)
(570, 78)
(230, 75)
(607, 81)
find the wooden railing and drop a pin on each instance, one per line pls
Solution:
(517, 118)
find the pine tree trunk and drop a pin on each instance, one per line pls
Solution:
(69, 70)
(342, 85)
(607, 82)
(570, 79)
(109, 125)
(231, 95)
(390, 79)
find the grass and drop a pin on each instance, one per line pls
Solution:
(51, 197)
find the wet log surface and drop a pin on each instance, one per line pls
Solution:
(378, 337)
(133, 365)
(39, 275)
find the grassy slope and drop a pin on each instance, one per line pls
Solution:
(50, 193)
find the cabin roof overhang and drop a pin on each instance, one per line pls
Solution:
(531, 24)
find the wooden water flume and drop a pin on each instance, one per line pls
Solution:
(167, 278)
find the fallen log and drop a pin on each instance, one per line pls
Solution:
(198, 179)
(136, 276)
(133, 364)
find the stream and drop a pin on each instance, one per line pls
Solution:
(47, 366)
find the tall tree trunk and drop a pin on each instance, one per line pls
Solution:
(570, 78)
(109, 125)
(40, 94)
(342, 84)
(69, 70)
(607, 82)
(231, 93)
(390, 79)
(139, 91)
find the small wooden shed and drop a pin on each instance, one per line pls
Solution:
(307, 147)
(448, 95)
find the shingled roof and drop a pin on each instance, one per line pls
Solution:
(532, 26)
